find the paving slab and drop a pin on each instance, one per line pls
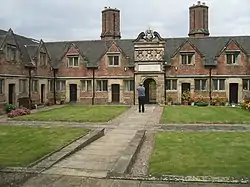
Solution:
(100, 156)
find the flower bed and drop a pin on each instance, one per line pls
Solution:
(18, 112)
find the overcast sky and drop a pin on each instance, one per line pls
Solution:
(81, 19)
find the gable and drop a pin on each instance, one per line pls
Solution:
(187, 46)
(231, 45)
(10, 39)
(72, 50)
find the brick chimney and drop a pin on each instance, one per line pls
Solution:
(110, 24)
(198, 20)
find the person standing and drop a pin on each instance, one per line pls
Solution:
(141, 97)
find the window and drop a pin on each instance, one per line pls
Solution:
(50, 85)
(1, 86)
(23, 86)
(187, 58)
(73, 61)
(200, 84)
(113, 60)
(35, 85)
(246, 84)
(43, 58)
(232, 58)
(101, 85)
(11, 53)
(129, 85)
(218, 84)
(171, 84)
(86, 85)
(60, 85)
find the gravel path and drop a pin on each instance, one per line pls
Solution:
(140, 167)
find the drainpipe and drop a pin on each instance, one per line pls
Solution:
(54, 85)
(165, 95)
(30, 79)
(210, 85)
(93, 89)
(134, 84)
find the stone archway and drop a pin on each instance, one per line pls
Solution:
(150, 91)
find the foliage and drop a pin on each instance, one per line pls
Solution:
(169, 98)
(10, 107)
(186, 96)
(18, 112)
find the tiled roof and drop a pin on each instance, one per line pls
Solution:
(94, 49)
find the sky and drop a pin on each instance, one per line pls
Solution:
(53, 20)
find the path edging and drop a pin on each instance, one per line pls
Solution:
(194, 179)
(126, 160)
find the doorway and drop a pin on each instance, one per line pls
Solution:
(12, 94)
(42, 92)
(73, 92)
(184, 88)
(150, 91)
(115, 89)
(233, 93)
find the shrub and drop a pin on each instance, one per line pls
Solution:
(201, 103)
(9, 108)
(18, 112)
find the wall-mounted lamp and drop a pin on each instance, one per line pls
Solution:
(176, 68)
(125, 68)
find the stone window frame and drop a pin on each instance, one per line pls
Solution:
(201, 88)
(62, 85)
(103, 85)
(128, 87)
(11, 53)
(23, 85)
(43, 58)
(234, 56)
(35, 85)
(113, 55)
(86, 85)
(73, 57)
(218, 85)
(50, 85)
(2, 86)
(247, 82)
(187, 54)
(172, 88)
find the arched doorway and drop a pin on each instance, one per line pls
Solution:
(150, 91)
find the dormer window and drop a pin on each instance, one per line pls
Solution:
(43, 58)
(232, 57)
(187, 58)
(11, 53)
(113, 59)
(73, 61)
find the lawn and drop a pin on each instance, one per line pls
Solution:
(21, 145)
(76, 114)
(201, 154)
(190, 114)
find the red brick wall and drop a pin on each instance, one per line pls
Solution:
(243, 68)
(196, 69)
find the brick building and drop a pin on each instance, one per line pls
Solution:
(108, 70)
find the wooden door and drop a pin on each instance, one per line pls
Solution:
(115, 89)
(73, 92)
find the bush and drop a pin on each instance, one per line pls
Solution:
(18, 112)
(9, 108)
(201, 103)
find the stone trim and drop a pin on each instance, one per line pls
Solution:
(125, 162)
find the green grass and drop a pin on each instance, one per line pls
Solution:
(201, 154)
(21, 145)
(189, 114)
(77, 114)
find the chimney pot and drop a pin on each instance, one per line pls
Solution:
(199, 2)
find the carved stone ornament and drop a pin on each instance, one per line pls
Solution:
(149, 55)
(149, 35)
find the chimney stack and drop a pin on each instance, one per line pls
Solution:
(110, 24)
(198, 20)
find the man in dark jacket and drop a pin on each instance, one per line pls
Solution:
(141, 97)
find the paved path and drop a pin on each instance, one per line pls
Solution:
(100, 156)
